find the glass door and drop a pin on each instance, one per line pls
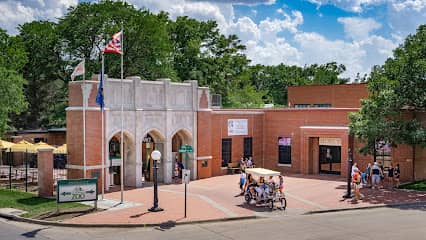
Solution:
(329, 159)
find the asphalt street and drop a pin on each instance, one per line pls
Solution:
(377, 224)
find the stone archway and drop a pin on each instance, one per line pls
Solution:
(180, 138)
(114, 160)
(152, 140)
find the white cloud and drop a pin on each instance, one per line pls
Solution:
(318, 49)
(358, 28)
(348, 5)
(417, 5)
(272, 40)
(15, 12)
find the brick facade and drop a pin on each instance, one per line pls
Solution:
(339, 96)
(307, 128)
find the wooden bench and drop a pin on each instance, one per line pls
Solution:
(233, 167)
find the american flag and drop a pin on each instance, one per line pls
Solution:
(114, 46)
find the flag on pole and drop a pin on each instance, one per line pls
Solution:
(78, 70)
(100, 96)
(114, 46)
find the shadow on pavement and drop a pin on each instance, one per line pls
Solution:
(139, 215)
(33, 233)
(387, 196)
(166, 225)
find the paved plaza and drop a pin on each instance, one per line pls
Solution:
(217, 198)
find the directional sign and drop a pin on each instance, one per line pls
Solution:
(77, 190)
(186, 149)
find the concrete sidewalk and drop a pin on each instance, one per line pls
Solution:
(217, 198)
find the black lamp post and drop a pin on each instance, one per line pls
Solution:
(155, 155)
(348, 193)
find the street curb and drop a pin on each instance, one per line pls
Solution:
(366, 208)
(167, 224)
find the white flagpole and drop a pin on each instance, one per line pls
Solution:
(84, 118)
(103, 136)
(122, 120)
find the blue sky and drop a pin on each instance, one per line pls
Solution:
(357, 33)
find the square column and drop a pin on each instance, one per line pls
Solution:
(45, 172)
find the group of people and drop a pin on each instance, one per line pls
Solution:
(246, 162)
(374, 176)
(261, 187)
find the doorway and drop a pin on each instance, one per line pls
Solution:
(329, 159)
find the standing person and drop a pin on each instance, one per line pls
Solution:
(242, 164)
(368, 174)
(382, 175)
(281, 186)
(354, 169)
(176, 171)
(242, 181)
(249, 162)
(396, 175)
(356, 180)
(390, 176)
(376, 172)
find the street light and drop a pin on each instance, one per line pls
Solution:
(348, 193)
(155, 155)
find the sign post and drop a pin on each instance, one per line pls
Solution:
(77, 190)
(185, 178)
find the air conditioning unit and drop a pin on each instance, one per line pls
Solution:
(216, 101)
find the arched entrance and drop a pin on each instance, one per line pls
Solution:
(114, 160)
(181, 138)
(153, 140)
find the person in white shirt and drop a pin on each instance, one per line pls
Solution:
(355, 169)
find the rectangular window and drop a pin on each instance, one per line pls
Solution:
(284, 150)
(226, 151)
(248, 143)
(322, 105)
(383, 154)
(304, 105)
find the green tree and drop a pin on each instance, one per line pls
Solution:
(87, 27)
(189, 36)
(45, 74)
(12, 60)
(397, 91)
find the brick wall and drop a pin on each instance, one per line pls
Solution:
(339, 95)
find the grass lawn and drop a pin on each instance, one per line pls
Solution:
(34, 205)
(419, 186)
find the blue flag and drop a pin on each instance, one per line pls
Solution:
(100, 96)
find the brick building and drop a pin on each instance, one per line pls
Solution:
(311, 136)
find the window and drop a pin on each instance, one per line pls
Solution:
(304, 105)
(322, 105)
(248, 143)
(226, 151)
(204, 163)
(383, 154)
(284, 150)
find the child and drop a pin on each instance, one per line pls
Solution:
(281, 186)
(356, 180)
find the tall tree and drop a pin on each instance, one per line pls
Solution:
(45, 73)
(12, 60)
(397, 91)
(146, 44)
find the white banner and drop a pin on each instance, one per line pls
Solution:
(237, 127)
